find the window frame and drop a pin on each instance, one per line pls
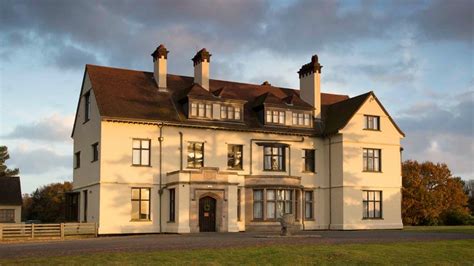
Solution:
(234, 155)
(369, 122)
(276, 116)
(87, 106)
(366, 160)
(172, 205)
(306, 158)
(229, 112)
(368, 201)
(200, 110)
(140, 200)
(77, 160)
(140, 149)
(195, 165)
(287, 201)
(95, 152)
(282, 167)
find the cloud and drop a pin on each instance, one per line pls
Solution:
(39, 161)
(447, 20)
(55, 128)
(441, 134)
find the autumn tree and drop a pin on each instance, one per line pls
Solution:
(431, 195)
(47, 203)
(4, 171)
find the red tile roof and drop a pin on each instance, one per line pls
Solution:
(132, 95)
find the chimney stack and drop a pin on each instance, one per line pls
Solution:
(160, 56)
(310, 84)
(201, 68)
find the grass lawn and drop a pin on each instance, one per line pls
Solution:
(427, 253)
(467, 229)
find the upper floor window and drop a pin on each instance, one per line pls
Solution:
(95, 151)
(372, 204)
(371, 122)
(141, 152)
(274, 158)
(77, 159)
(195, 154)
(87, 106)
(301, 119)
(140, 204)
(202, 110)
(372, 160)
(234, 157)
(275, 117)
(231, 112)
(309, 160)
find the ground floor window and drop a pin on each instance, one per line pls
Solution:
(140, 204)
(239, 200)
(7, 216)
(308, 205)
(172, 204)
(270, 204)
(372, 204)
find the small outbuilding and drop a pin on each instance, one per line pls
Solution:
(10, 199)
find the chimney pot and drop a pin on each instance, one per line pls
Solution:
(310, 84)
(160, 56)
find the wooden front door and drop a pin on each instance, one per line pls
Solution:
(207, 214)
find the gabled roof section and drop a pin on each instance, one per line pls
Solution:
(196, 91)
(10, 191)
(337, 115)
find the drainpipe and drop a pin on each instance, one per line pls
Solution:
(160, 191)
(330, 186)
(180, 151)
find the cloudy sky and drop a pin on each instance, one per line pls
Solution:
(416, 55)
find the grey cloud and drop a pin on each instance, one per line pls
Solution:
(39, 161)
(447, 20)
(53, 128)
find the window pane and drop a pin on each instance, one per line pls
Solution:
(258, 210)
(230, 112)
(145, 157)
(135, 193)
(257, 195)
(271, 210)
(201, 110)
(223, 112)
(377, 213)
(295, 119)
(208, 110)
(282, 117)
(371, 210)
(280, 209)
(145, 209)
(267, 150)
(364, 195)
(267, 164)
(300, 119)
(269, 116)
(288, 208)
(270, 194)
(308, 195)
(193, 109)
(136, 157)
(145, 193)
(365, 209)
(136, 143)
(145, 144)
(275, 116)
(377, 195)
(237, 113)
(306, 120)
(376, 164)
(135, 210)
(308, 210)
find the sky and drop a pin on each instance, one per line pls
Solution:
(417, 56)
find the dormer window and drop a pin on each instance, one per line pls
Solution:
(301, 119)
(230, 112)
(275, 117)
(201, 110)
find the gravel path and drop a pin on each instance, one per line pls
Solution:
(157, 242)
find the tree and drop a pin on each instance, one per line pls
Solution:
(47, 203)
(4, 171)
(431, 195)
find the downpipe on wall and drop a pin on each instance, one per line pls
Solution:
(160, 190)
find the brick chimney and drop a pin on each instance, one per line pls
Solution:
(201, 62)
(310, 84)
(160, 56)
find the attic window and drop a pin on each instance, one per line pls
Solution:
(371, 122)
(87, 106)
(201, 110)
(301, 119)
(231, 112)
(275, 117)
